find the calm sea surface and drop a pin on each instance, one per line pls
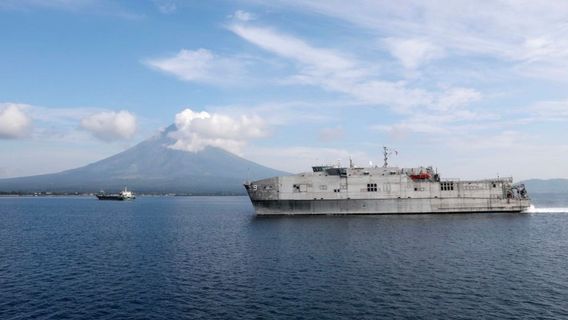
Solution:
(211, 258)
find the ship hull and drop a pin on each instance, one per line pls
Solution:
(387, 206)
(387, 190)
(112, 198)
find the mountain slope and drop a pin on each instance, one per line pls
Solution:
(151, 166)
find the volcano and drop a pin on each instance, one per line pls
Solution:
(152, 167)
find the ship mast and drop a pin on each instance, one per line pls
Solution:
(386, 153)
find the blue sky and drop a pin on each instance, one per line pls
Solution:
(474, 89)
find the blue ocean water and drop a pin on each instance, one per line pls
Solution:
(211, 258)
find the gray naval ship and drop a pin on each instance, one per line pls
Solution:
(382, 190)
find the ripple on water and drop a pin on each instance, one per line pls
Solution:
(209, 257)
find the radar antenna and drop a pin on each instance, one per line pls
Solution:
(387, 152)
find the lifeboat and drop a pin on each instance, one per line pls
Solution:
(421, 176)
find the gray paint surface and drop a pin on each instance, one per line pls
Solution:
(381, 191)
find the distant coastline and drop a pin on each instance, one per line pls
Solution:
(230, 188)
(91, 194)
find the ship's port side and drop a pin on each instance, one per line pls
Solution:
(384, 206)
(329, 190)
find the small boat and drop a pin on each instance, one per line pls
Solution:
(123, 195)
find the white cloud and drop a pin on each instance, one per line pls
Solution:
(412, 53)
(336, 72)
(200, 65)
(531, 34)
(319, 61)
(110, 125)
(56, 139)
(243, 15)
(197, 130)
(14, 121)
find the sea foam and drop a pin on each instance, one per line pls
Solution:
(533, 209)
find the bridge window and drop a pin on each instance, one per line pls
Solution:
(447, 186)
(371, 187)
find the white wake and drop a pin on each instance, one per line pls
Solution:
(533, 209)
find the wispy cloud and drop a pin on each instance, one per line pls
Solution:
(201, 65)
(340, 73)
(549, 111)
(285, 113)
(242, 15)
(530, 34)
(414, 52)
(166, 6)
(318, 60)
(443, 124)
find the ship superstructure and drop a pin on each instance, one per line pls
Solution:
(382, 190)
